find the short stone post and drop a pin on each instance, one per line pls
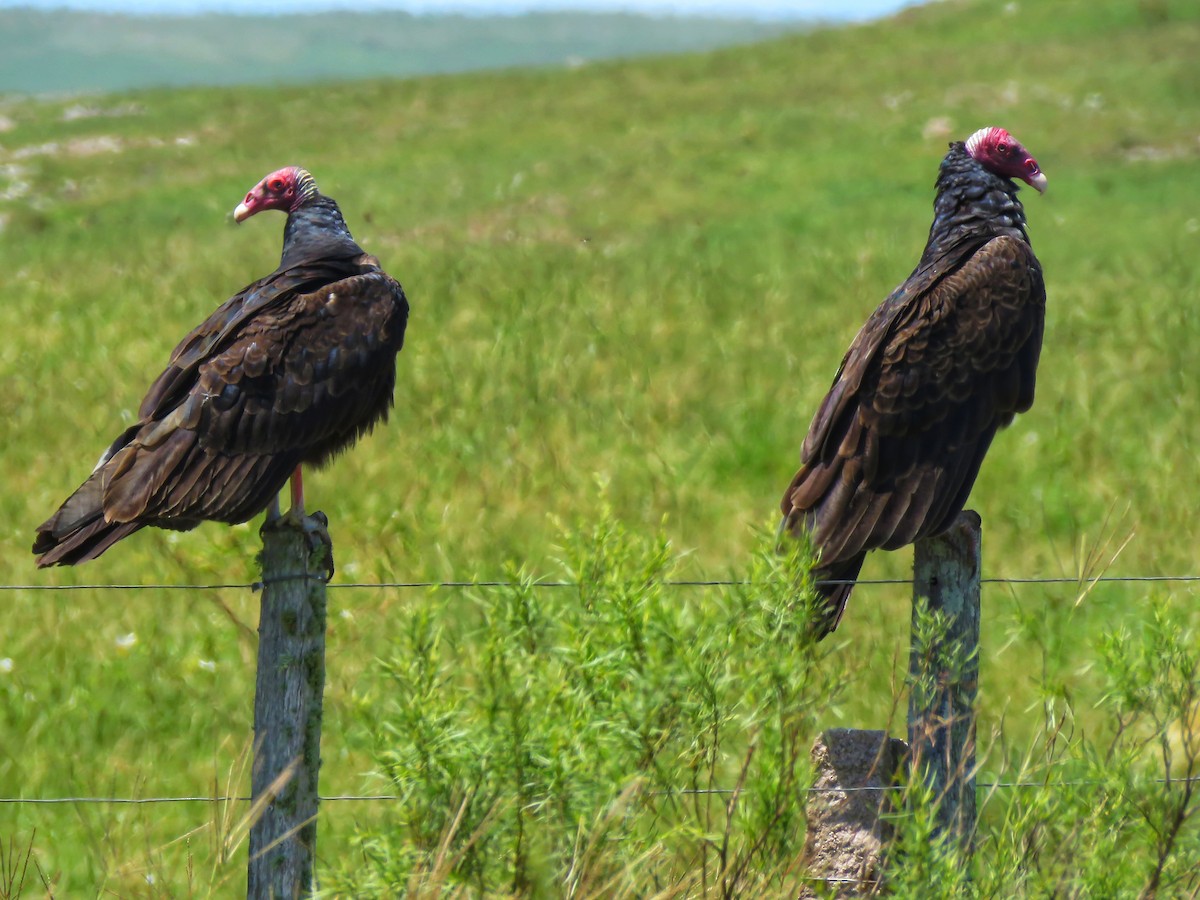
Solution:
(847, 835)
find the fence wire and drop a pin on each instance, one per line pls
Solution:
(390, 798)
(680, 583)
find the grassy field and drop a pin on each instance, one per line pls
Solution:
(631, 284)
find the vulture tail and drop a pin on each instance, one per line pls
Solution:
(78, 531)
(831, 598)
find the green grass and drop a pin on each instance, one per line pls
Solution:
(641, 275)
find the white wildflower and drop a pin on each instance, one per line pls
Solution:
(126, 641)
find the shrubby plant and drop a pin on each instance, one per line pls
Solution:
(622, 735)
(1114, 814)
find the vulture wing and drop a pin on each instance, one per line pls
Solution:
(206, 339)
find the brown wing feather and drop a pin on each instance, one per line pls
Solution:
(207, 338)
(896, 444)
(314, 376)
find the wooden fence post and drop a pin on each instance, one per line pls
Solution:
(944, 672)
(296, 562)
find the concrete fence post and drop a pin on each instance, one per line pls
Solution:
(847, 834)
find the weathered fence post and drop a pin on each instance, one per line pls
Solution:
(296, 560)
(944, 672)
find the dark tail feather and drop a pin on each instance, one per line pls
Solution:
(831, 598)
(82, 545)
(78, 531)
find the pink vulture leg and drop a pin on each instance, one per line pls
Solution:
(298, 493)
(273, 513)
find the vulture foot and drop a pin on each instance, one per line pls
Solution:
(315, 529)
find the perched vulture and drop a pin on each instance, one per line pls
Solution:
(284, 374)
(946, 360)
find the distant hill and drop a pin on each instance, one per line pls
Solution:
(65, 50)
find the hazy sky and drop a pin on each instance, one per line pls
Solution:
(771, 9)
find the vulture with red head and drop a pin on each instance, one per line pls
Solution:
(942, 364)
(285, 374)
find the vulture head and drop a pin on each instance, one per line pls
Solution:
(284, 190)
(998, 151)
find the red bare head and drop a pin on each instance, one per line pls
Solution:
(1000, 152)
(283, 190)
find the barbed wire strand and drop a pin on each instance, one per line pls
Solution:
(367, 798)
(427, 585)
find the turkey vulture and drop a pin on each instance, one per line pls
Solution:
(286, 373)
(946, 360)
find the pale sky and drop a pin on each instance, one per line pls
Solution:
(766, 9)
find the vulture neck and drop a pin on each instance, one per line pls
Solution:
(316, 229)
(972, 204)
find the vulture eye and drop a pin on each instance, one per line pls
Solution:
(276, 185)
(1002, 147)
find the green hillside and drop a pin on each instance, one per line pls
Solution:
(72, 50)
(631, 284)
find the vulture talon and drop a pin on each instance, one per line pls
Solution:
(316, 527)
(273, 512)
